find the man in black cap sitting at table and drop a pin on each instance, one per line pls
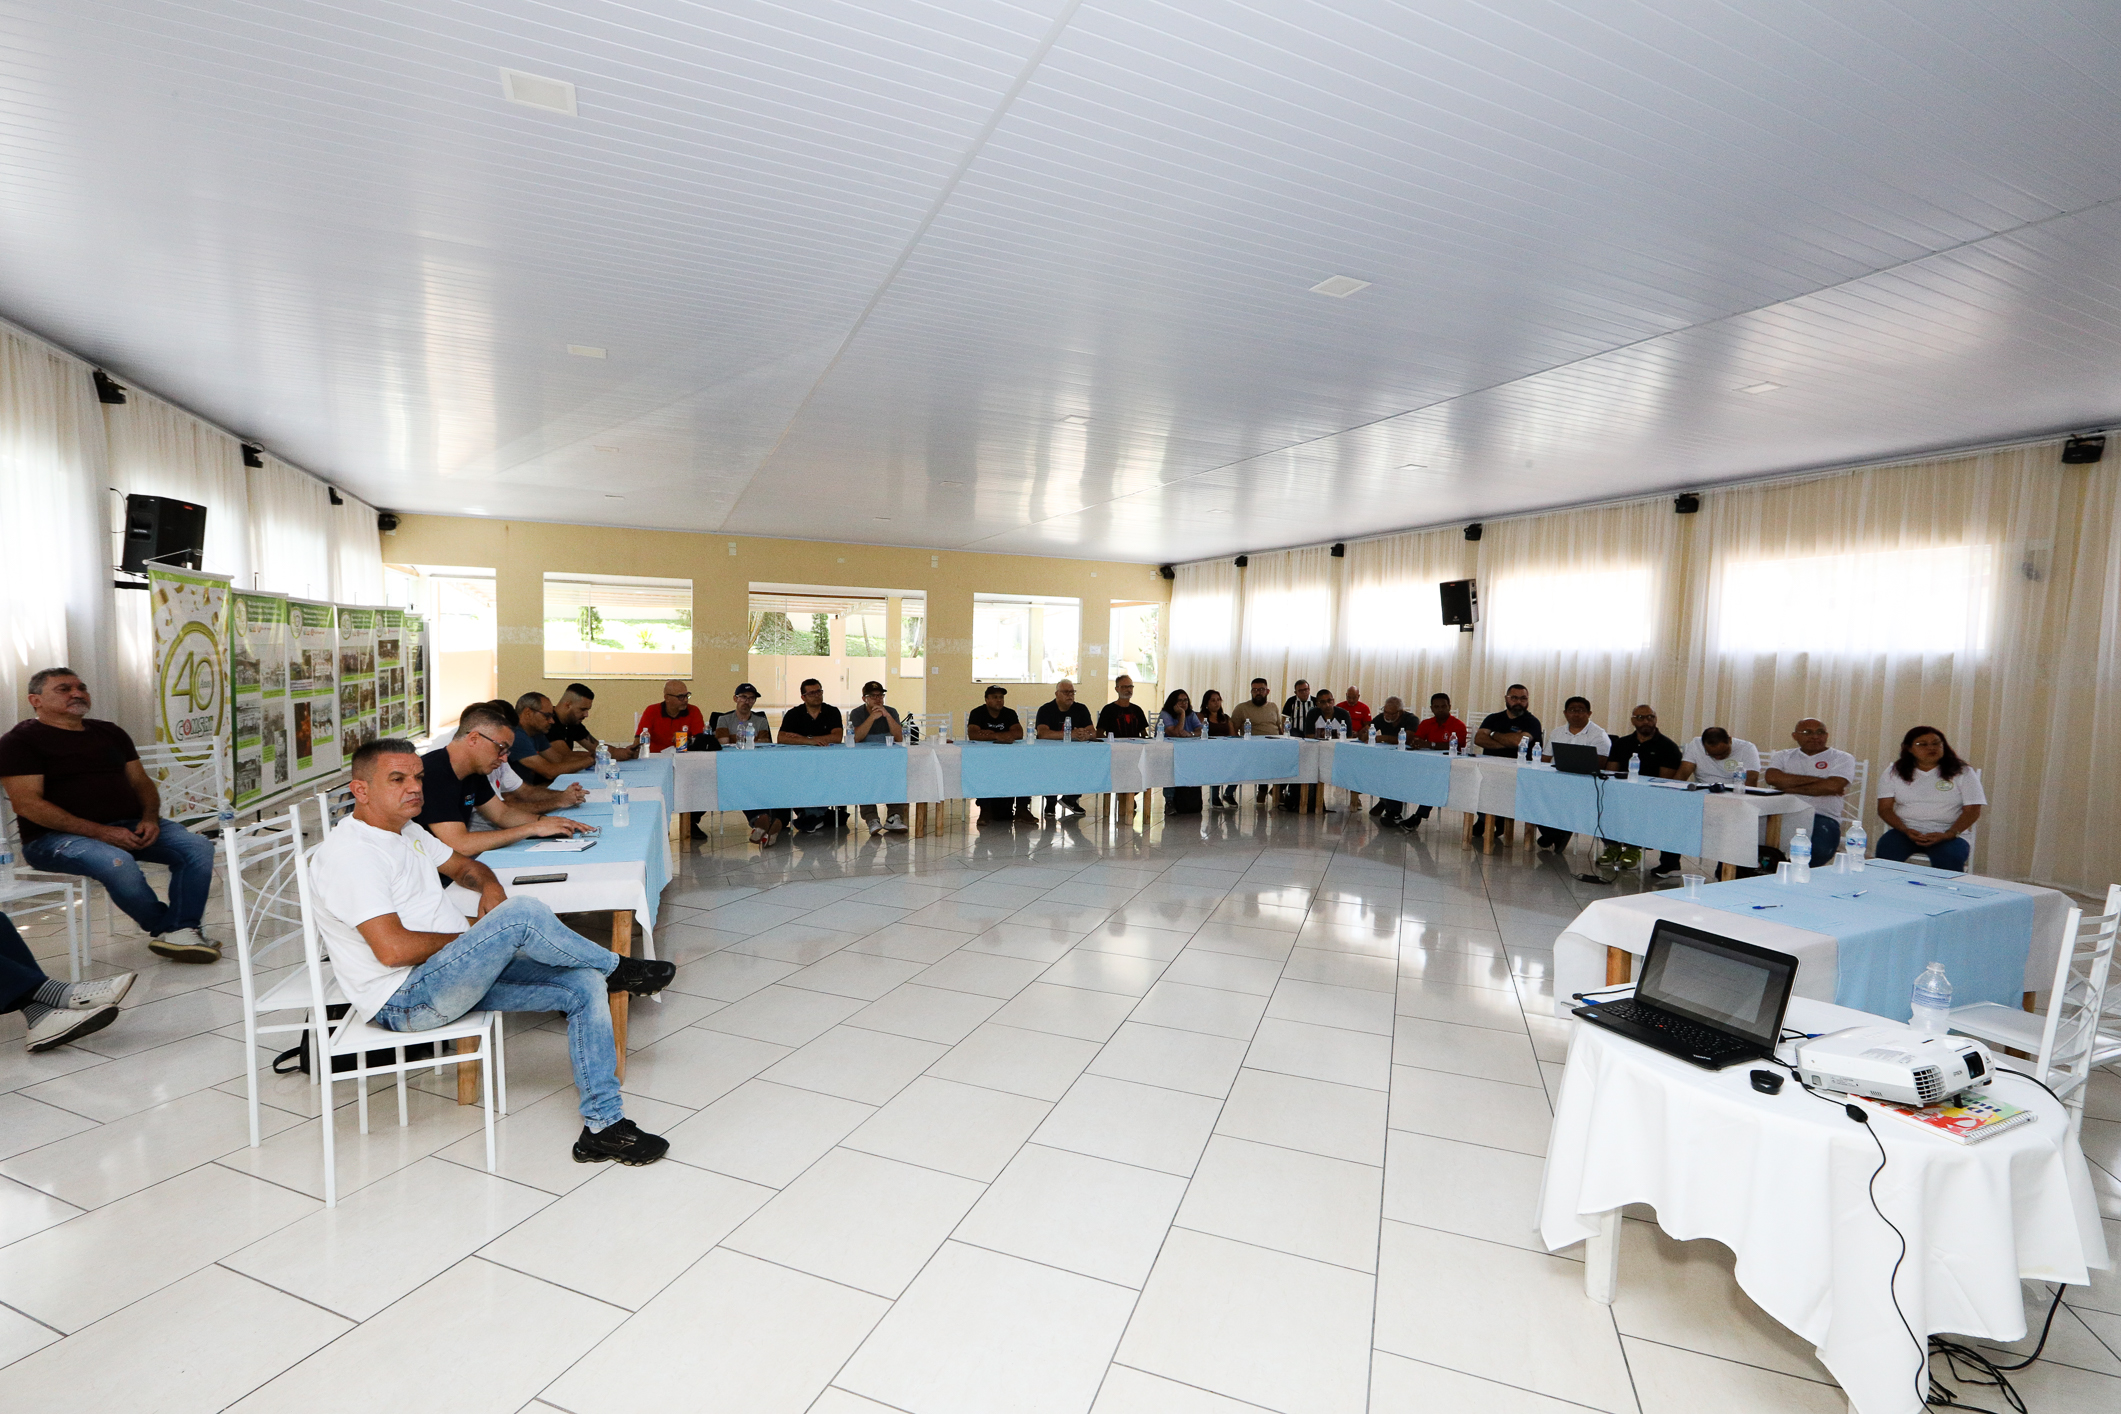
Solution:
(996, 722)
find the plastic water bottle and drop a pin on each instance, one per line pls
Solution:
(1248, 727)
(1635, 767)
(1373, 734)
(7, 862)
(621, 806)
(1853, 844)
(1156, 732)
(644, 744)
(1524, 747)
(1801, 853)
(1068, 733)
(1402, 738)
(846, 734)
(747, 736)
(1933, 1000)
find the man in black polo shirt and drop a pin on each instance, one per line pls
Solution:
(1123, 717)
(1661, 756)
(997, 723)
(454, 784)
(812, 722)
(1499, 733)
(1064, 713)
(570, 727)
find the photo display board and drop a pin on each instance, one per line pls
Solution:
(313, 688)
(357, 679)
(390, 671)
(257, 672)
(189, 612)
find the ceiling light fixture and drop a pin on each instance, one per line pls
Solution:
(1761, 388)
(1079, 419)
(585, 351)
(1339, 286)
(537, 91)
(607, 449)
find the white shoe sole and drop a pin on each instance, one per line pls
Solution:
(184, 952)
(85, 1023)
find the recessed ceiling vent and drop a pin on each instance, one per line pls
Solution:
(536, 91)
(1339, 286)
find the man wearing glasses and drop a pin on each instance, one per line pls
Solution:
(664, 720)
(454, 781)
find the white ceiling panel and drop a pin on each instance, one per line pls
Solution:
(1035, 277)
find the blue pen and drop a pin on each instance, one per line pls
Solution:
(1767, 905)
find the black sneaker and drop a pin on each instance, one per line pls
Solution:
(640, 977)
(1377, 811)
(623, 1141)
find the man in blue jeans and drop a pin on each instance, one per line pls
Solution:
(404, 958)
(87, 807)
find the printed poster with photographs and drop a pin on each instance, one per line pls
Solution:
(189, 613)
(257, 674)
(357, 680)
(390, 670)
(415, 676)
(313, 687)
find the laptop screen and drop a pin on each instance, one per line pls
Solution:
(1720, 982)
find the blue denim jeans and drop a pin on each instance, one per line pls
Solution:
(191, 872)
(1949, 854)
(20, 976)
(520, 957)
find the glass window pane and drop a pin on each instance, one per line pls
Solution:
(617, 626)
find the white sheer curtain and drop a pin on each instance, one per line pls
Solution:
(1392, 640)
(356, 552)
(1580, 603)
(55, 524)
(1204, 623)
(1883, 599)
(2074, 833)
(290, 531)
(1289, 605)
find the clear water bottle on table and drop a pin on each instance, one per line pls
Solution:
(1801, 851)
(1932, 1009)
(621, 806)
(1853, 844)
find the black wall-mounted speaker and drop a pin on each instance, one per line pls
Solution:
(1461, 603)
(1242, 560)
(2082, 451)
(1340, 552)
(165, 530)
(1473, 531)
(1686, 504)
(1167, 572)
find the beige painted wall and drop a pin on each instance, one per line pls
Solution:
(722, 569)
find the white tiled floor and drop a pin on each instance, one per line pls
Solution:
(1243, 1113)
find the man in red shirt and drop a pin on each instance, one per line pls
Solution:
(1435, 734)
(663, 720)
(1358, 713)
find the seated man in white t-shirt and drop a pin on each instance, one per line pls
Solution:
(1576, 729)
(1928, 800)
(1717, 758)
(1813, 768)
(406, 961)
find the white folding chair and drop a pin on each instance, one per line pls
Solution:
(268, 917)
(192, 780)
(2065, 1042)
(354, 1035)
(67, 892)
(1858, 793)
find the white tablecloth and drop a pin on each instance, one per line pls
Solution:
(1780, 1181)
(1625, 922)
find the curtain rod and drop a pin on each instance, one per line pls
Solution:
(51, 346)
(1779, 478)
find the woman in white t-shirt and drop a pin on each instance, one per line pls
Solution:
(1928, 801)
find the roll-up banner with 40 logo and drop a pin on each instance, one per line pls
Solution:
(190, 612)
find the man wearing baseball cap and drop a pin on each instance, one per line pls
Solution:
(728, 728)
(996, 722)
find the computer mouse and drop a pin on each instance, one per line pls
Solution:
(1767, 1082)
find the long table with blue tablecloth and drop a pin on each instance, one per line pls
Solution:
(1860, 938)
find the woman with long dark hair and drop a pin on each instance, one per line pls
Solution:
(1215, 721)
(1928, 800)
(1180, 722)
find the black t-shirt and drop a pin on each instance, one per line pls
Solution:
(989, 719)
(84, 771)
(1388, 732)
(449, 800)
(1504, 722)
(1659, 753)
(573, 734)
(797, 719)
(1052, 719)
(1221, 726)
(1124, 719)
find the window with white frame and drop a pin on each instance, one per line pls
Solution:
(1025, 637)
(1584, 611)
(1134, 642)
(1933, 599)
(617, 626)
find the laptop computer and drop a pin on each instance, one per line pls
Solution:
(1577, 759)
(1711, 1001)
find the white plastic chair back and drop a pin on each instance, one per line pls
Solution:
(267, 914)
(34, 891)
(1858, 794)
(193, 784)
(932, 727)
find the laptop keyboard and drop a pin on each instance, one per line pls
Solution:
(1696, 1038)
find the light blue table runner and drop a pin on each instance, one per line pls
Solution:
(991, 770)
(1629, 812)
(641, 840)
(1231, 760)
(1388, 773)
(784, 777)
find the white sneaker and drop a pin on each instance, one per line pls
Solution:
(896, 825)
(185, 945)
(100, 992)
(758, 832)
(63, 1024)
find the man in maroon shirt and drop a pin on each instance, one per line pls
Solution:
(87, 807)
